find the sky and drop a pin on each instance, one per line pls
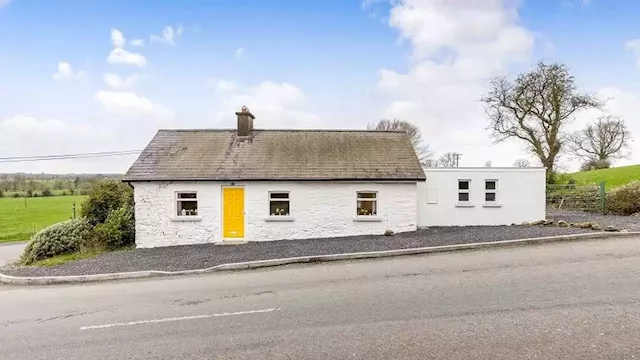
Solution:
(105, 75)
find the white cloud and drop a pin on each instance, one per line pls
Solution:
(128, 104)
(169, 35)
(120, 82)
(22, 135)
(275, 105)
(136, 42)
(117, 38)
(66, 72)
(122, 56)
(239, 53)
(456, 47)
(634, 47)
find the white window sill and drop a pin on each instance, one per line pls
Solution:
(367, 218)
(492, 205)
(463, 205)
(279, 218)
(186, 218)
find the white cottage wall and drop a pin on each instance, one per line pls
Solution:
(520, 196)
(318, 209)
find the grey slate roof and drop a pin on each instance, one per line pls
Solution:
(277, 155)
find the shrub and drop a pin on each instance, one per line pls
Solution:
(104, 197)
(116, 232)
(29, 193)
(61, 238)
(16, 195)
(64, 193)
(625, 200)
(595, 164)
(46, 192)
(35, 194)
(1, 193)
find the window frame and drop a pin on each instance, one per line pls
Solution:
(373, 199)
(178, 200)
(464, 191)
(493, 191)
(270, 199)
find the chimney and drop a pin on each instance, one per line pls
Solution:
(245, 121)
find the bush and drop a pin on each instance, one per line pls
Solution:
(61, 238)
(624, 200)
(116, 232)
(1, 193)
(104, 197)
(29, 193)
(46, 192)
(16, 195)
(595, 164)
(35, 194)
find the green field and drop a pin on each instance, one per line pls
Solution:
(613, 177)
(20, 218)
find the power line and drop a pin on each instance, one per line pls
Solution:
(68, 156)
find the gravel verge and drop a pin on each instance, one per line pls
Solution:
(190, 257)
(620, 222)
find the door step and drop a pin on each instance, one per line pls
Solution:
(232, 242)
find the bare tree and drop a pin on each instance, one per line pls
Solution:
(535, 107)
(449, 159)
(522, 163)
(601, 143)
(422, 150)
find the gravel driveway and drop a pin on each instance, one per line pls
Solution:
(202, 256)
(621, 222)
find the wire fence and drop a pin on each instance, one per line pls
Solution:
(590, 198)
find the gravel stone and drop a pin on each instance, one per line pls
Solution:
(189, 257)
(621, 222)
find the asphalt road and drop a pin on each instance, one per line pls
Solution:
(577, 300)
(11, 251)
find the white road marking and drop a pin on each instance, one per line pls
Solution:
(153, 321)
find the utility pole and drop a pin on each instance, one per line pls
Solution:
(456, 156)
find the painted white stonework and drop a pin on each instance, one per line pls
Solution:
(520, 197)
(318, 209)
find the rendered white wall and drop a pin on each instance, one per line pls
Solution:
(318, 209)
(520, 194)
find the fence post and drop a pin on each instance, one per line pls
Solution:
(603, 198)
(74, 210)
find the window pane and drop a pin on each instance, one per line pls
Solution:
(463, 196)
(190, 195)
(277, 208)
(187, 208)
(490, 196)
(490, 185)
(279, 195)
(463, 185)
(367, 208)
(366, 195)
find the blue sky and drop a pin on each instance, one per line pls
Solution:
(308, 64)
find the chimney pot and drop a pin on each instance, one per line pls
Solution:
(245, 121)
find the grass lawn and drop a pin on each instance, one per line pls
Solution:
(613, 177)
(20, 218)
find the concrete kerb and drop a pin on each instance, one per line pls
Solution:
(49, 280)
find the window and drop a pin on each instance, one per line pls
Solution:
(463, 190)
(187, 204)
(367, 203)
(490, 189)
(279, 204)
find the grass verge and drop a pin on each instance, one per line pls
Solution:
(65, 258)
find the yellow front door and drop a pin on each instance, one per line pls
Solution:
(233, 212)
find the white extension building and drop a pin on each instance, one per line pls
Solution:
(481, 196)
(218, 186)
